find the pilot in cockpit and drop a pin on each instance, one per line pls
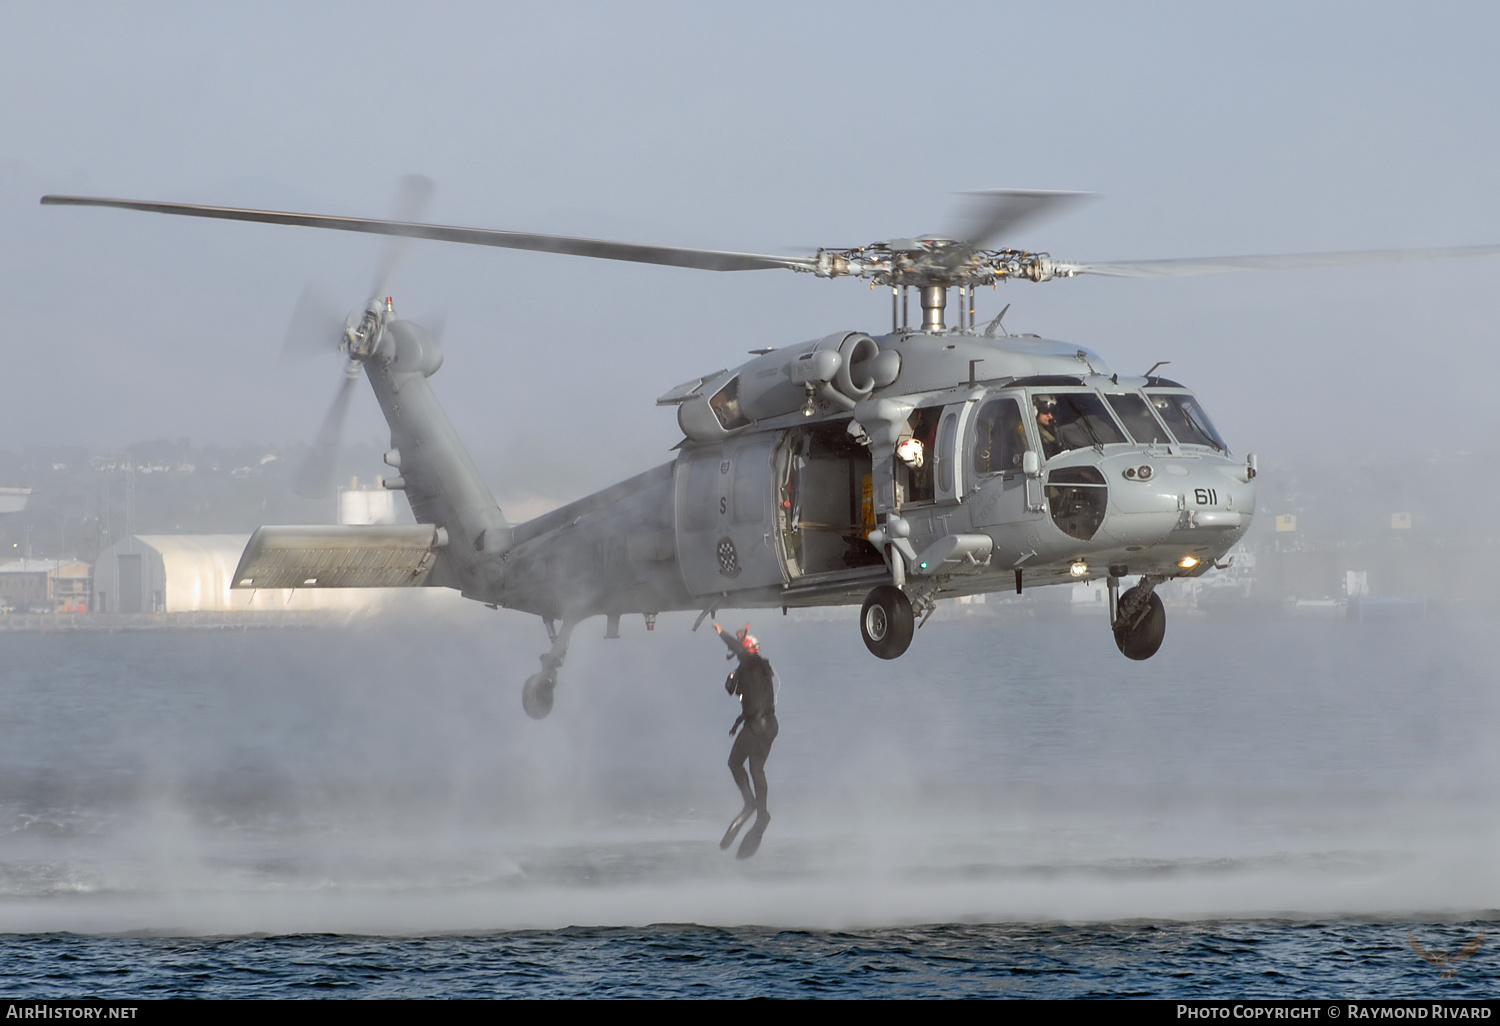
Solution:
(1060, 426)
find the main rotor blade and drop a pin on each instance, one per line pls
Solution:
(1270, 262)
(671, 256)
(315, 476)
(413, 196)
(993, 213)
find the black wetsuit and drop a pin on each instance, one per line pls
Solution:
(757, 695)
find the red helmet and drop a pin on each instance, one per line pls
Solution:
(748, 640)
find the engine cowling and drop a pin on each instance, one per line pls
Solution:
(840, 369)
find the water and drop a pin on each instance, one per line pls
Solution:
(1184, 961)
(1012, 809)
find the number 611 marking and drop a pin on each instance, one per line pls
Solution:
(1206, 496)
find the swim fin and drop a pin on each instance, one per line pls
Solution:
(751, 844)
(734, 828)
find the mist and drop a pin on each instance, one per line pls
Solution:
(381, 778)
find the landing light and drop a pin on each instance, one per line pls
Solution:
(1188, 562)
(1079, 568)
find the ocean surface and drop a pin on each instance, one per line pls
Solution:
(1266, 809)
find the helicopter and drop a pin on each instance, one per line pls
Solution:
(936, 460)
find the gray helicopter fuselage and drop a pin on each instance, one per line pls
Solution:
(798, 483)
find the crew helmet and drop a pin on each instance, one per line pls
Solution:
(748, 640)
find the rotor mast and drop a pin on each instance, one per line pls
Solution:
(934, 302)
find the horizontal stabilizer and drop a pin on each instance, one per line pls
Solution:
(380, 556)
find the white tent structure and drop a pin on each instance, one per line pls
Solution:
(13, 500)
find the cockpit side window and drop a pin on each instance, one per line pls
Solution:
(1073, 420)
(1137, 418)
(1187, 420)
(999, 437)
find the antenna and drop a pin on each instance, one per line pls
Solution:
(1158, 363)
(990, 331)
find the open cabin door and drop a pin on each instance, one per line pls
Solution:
(826, 504)
(726, 516)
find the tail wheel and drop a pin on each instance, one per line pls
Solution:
(886, 622)
(536, 696)
(1141, 639)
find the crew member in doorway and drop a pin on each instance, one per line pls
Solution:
(751, 683)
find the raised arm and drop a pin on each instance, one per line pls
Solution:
(732, 641)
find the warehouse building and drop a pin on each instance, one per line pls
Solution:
(45, 586)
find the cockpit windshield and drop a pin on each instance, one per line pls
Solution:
(1073, 420)
(1187, 420)
(1136, 415)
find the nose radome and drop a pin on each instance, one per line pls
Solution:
(1176, 498)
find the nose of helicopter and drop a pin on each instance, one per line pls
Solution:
(1152, 500)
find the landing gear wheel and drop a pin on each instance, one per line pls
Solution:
(536, 696)
(886, 622)
(1141, 639)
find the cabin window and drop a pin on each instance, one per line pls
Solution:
(947, 436)
(1073, 420)
(1136, 415)
(999, 437)
(1187, 420)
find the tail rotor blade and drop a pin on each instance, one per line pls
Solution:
(413, 197)
(315, 477)
(315, 327)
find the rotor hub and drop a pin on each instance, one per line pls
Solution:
(361, 339)
(944, 263)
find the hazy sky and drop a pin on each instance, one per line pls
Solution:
(1206, 129)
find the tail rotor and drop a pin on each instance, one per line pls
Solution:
(315, 329)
